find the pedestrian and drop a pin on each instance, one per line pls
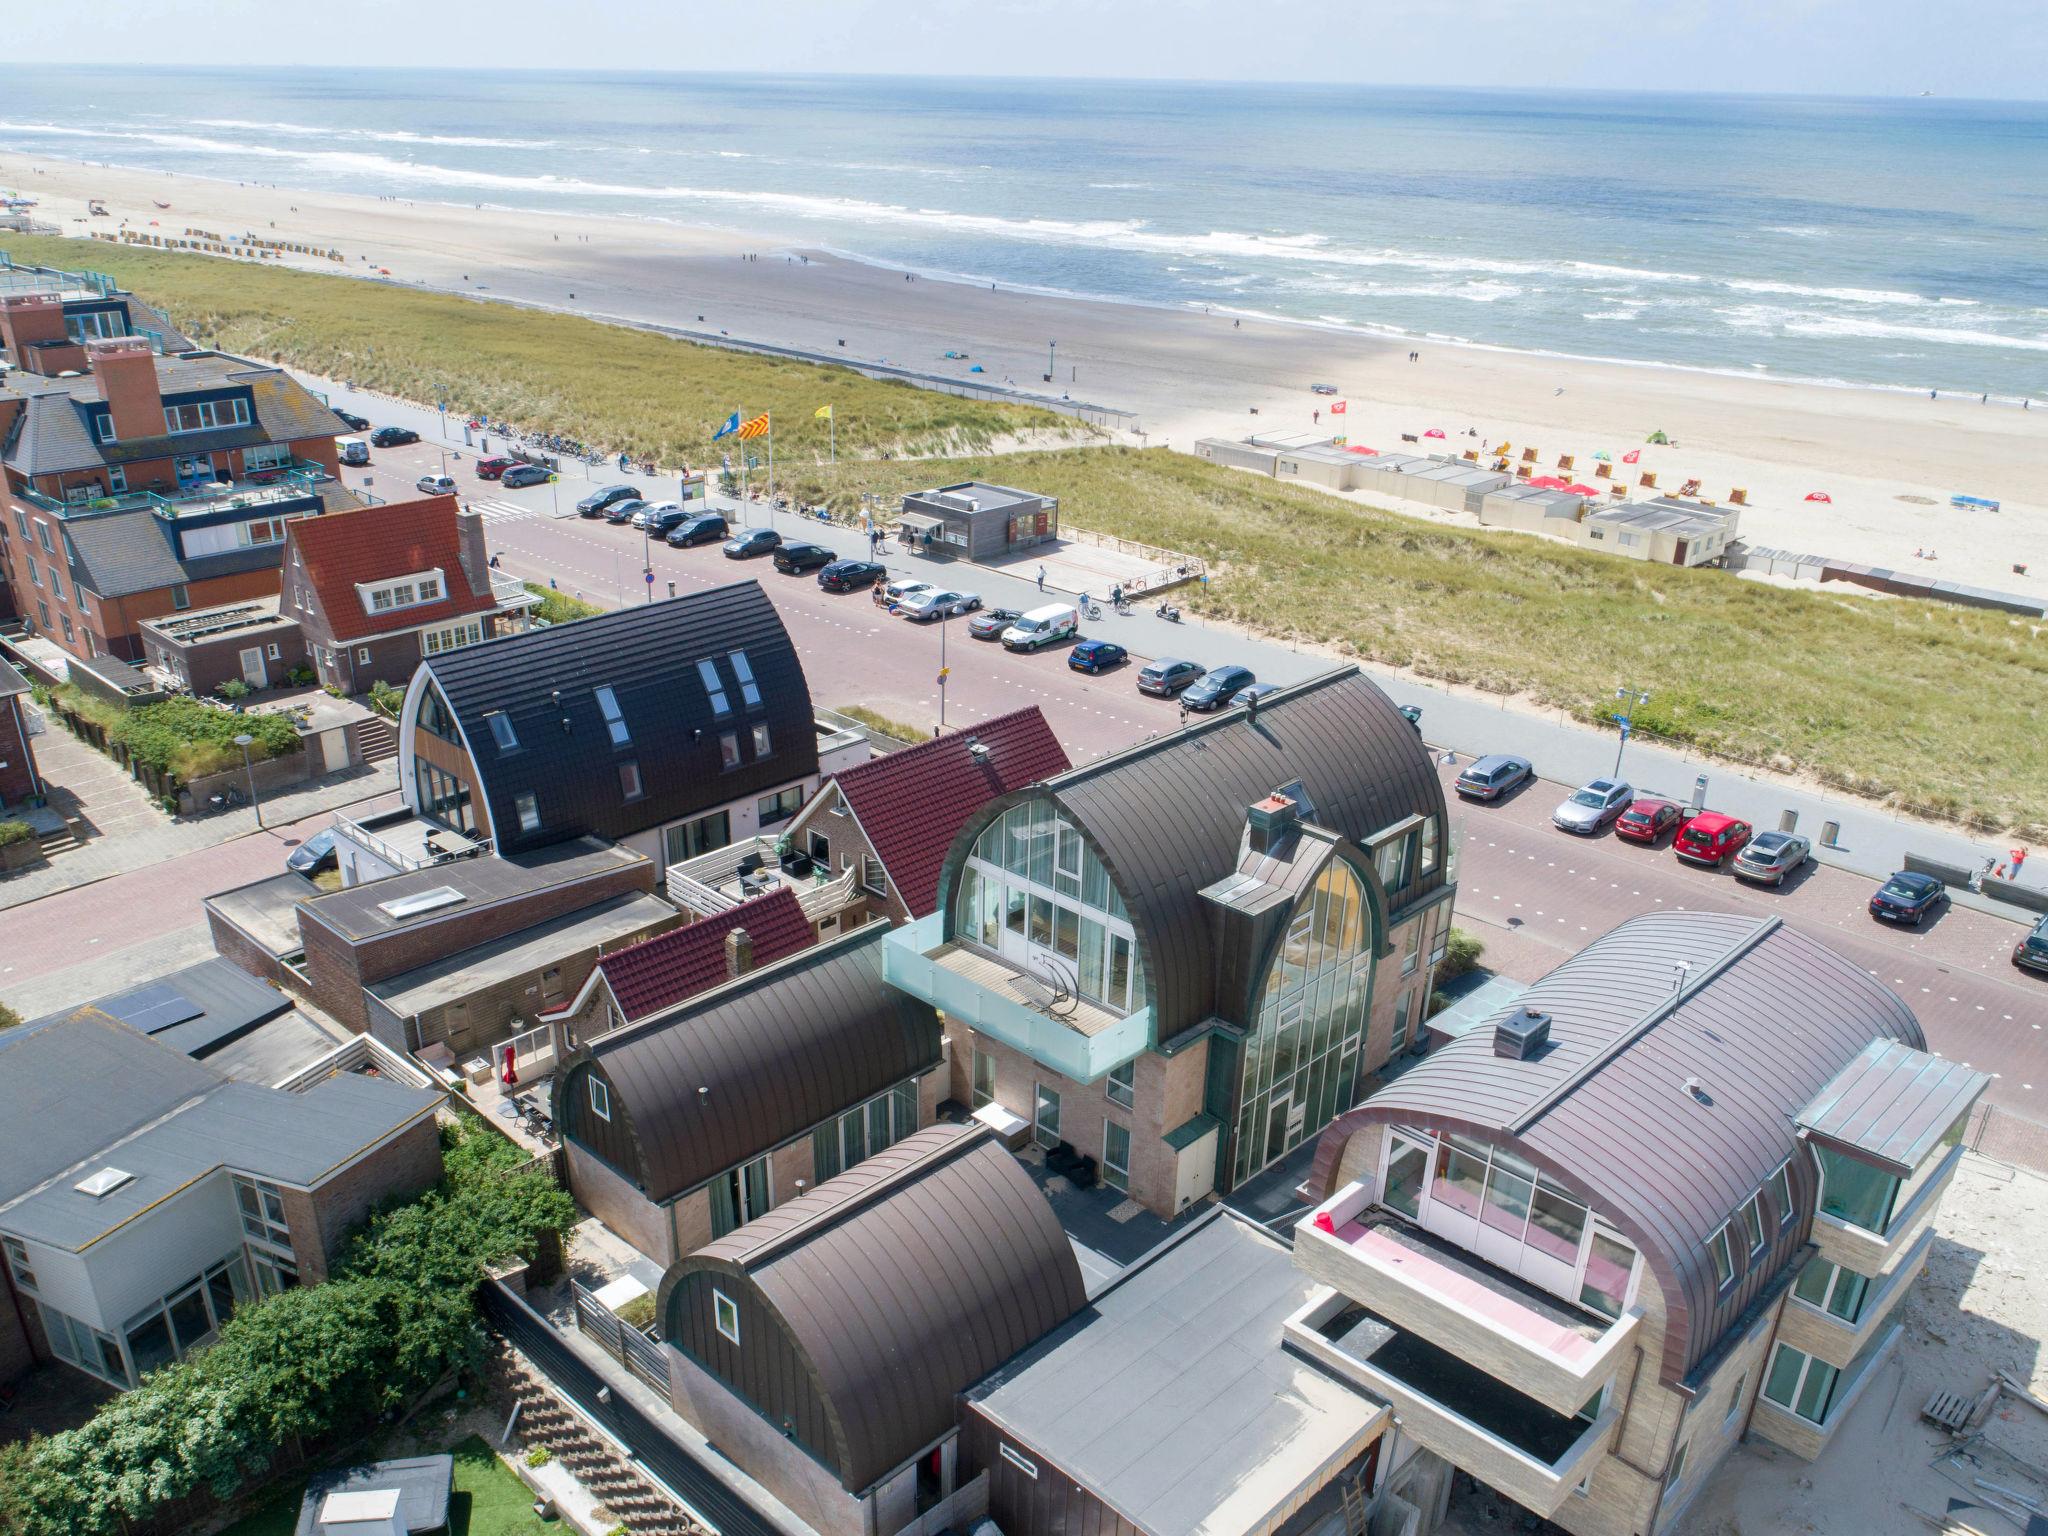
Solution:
(1041, 578)
(1317, 416)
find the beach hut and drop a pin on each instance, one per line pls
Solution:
(1529, 508)
(1662, 531)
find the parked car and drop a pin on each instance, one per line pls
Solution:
(524, 474)
(1042, 627)
(1908, 897)
(700, 529)
(850, 575)
(905, 586)
(1770, 857)
(1492, 777)
(1412, 713)
(1591, 806)
(436, 485)
(492, 468)
(393, 437)
(1168, 675)
(792, 559)
(663, 518)
(351, 420)
(1253, 694)
(1710, 838)
(755, 541)
(941, 603)
(645, 511)
(1647, 820)
(990, 623)
(314, 854)
(1322, 389)
(2031, 953)
(1097, 656)
(619, 513)
(1212, 690)
(598, 500)
(353, 450)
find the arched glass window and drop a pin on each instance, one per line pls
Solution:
(1300, 1061)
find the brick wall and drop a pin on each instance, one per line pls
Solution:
(117, 620)
(17, 761)
(321, 1221)
(231, 943)
(604, 1192)
(497, 1012)
(393, 660)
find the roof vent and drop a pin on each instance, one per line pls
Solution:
(424, 901)
(1522, 1034)
(1271, 821)
(1699, 1093)
(104, 1183)
(978, 750)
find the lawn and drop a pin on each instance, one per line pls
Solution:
(606, 385)
(1932, 710)
(488, 1501)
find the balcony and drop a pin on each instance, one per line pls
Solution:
(714, 883)
(1527, 1339)
(296, 482)
(1510, 1442)
(1079, 1041)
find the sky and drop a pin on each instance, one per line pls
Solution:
(1976, 48)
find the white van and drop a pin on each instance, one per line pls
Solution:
(1042, 626)
(354, 450)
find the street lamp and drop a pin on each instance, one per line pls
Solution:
(245, 741)
(1630, 700)
(944, 671)
(1049, 369)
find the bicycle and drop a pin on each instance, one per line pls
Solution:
(1089, 609)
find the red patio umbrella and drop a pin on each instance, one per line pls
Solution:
(1583, 490)
(511, 1072)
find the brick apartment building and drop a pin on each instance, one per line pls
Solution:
(379, 590)
(48, 316)
(1183, 960)
(19, 779)
(149, 484)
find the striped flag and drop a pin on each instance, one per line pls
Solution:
(755, 427)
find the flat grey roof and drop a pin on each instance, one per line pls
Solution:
(274, 1049)
(1656, 516)
(357, 913)
(469, 971)
(422, 1484)
(267, 910)
(988, 498)
(1892, 1104)
(1171, 1399)
(197, 1010)
(291, 1138)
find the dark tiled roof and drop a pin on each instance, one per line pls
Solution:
(1892, 1104)
(912, 803)
(545, 682)
(901, 1283)
(341, 550)
(665, 970)
(123, 552)
(1766, 1019)
(723, 1077)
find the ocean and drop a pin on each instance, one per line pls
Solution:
(1893, 243)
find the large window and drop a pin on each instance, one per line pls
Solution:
(1122, 1084)
(739, 1195)
(773, 810)
(452, 637)
(443, 797)
(1116, 1155)
(687, 839)
(1301, 1055)
(984, 1079)
(205, 416)
(1833, 1288)
(435, 718)
(1801, 1383)
(864, 1130)
(1854, 1191)
(262, 1207)
(1034, 893)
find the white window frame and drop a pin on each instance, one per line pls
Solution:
(631, 786)
(600, 1096)
(1018, 1460)
(1780, 1186)
(725, 1316)
(1721, 1251)
(526, 806)
(764, 744)
(1127, 1084)
(1827, 1295)
(1752, 1214)
(1798, 1383)
(394, 594)
(503, 736)
(1123, 1171)
(18, 1262)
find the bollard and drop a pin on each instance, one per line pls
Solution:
(1830, 834)
(1788, 821)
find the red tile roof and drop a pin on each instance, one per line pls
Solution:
(660, 972)
(371, 544)
(913, 803)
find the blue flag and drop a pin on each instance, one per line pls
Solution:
(732, 425)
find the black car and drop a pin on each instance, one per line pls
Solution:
(1908, 897)
(1168, 675)
(659, 523)
(314, 854)
(850, 575)
(351, 420)
(393, 437)
(524, 474)
(794, 558)
(1212, 690)
(755, 541)
(700, 529)
(2031, 953)
(1097, 656)
(598, 501)
(622, 511)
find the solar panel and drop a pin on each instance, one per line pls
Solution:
(153, 1009)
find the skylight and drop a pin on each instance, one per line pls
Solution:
(750, 694)
(425, 901)
(103, 1183)
(609, 703)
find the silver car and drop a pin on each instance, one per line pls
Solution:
(1770, 857)
(1591, 807)
(937, 604)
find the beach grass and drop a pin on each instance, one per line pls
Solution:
(1929, 709)
(609, 386)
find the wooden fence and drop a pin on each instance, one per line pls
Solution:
(620, 1339)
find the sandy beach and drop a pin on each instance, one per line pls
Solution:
(1888, 461)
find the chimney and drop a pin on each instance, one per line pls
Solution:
(1272, 822)
(469, 549)
(29, 318)
(1522, 1034)
(126, 369)
(739, 954)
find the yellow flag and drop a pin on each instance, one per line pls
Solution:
(822, 413)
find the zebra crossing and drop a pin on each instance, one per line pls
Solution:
(500, 511)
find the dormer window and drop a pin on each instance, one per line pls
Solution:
(104, 425)
(205, 416)
(608, 704)
(400, 592)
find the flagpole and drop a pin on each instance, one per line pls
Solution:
(740, 413)
(771, 463)
(832, 426)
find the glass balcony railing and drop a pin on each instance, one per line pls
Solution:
(293, 482)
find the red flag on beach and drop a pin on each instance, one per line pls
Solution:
(1632, 456)
(1338, 408)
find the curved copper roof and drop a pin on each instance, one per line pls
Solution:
(730, 1073)
(1767, 1017)
(902, 1282)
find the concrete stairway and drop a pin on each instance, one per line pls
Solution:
(376, 739)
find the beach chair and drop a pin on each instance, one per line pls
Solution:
(1603, 471)
(1564, 461)
(1690, 488)
(1648, 481)
(1528, 455)
(1522, 471)
(1617, 490)
(1738, 497)
(1472, 455)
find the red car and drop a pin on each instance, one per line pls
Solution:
(1711, 839)
(492, 469)
(1647, 820)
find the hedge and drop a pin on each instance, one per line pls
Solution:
(191, 739)
(15, 832)
(306, 1366)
